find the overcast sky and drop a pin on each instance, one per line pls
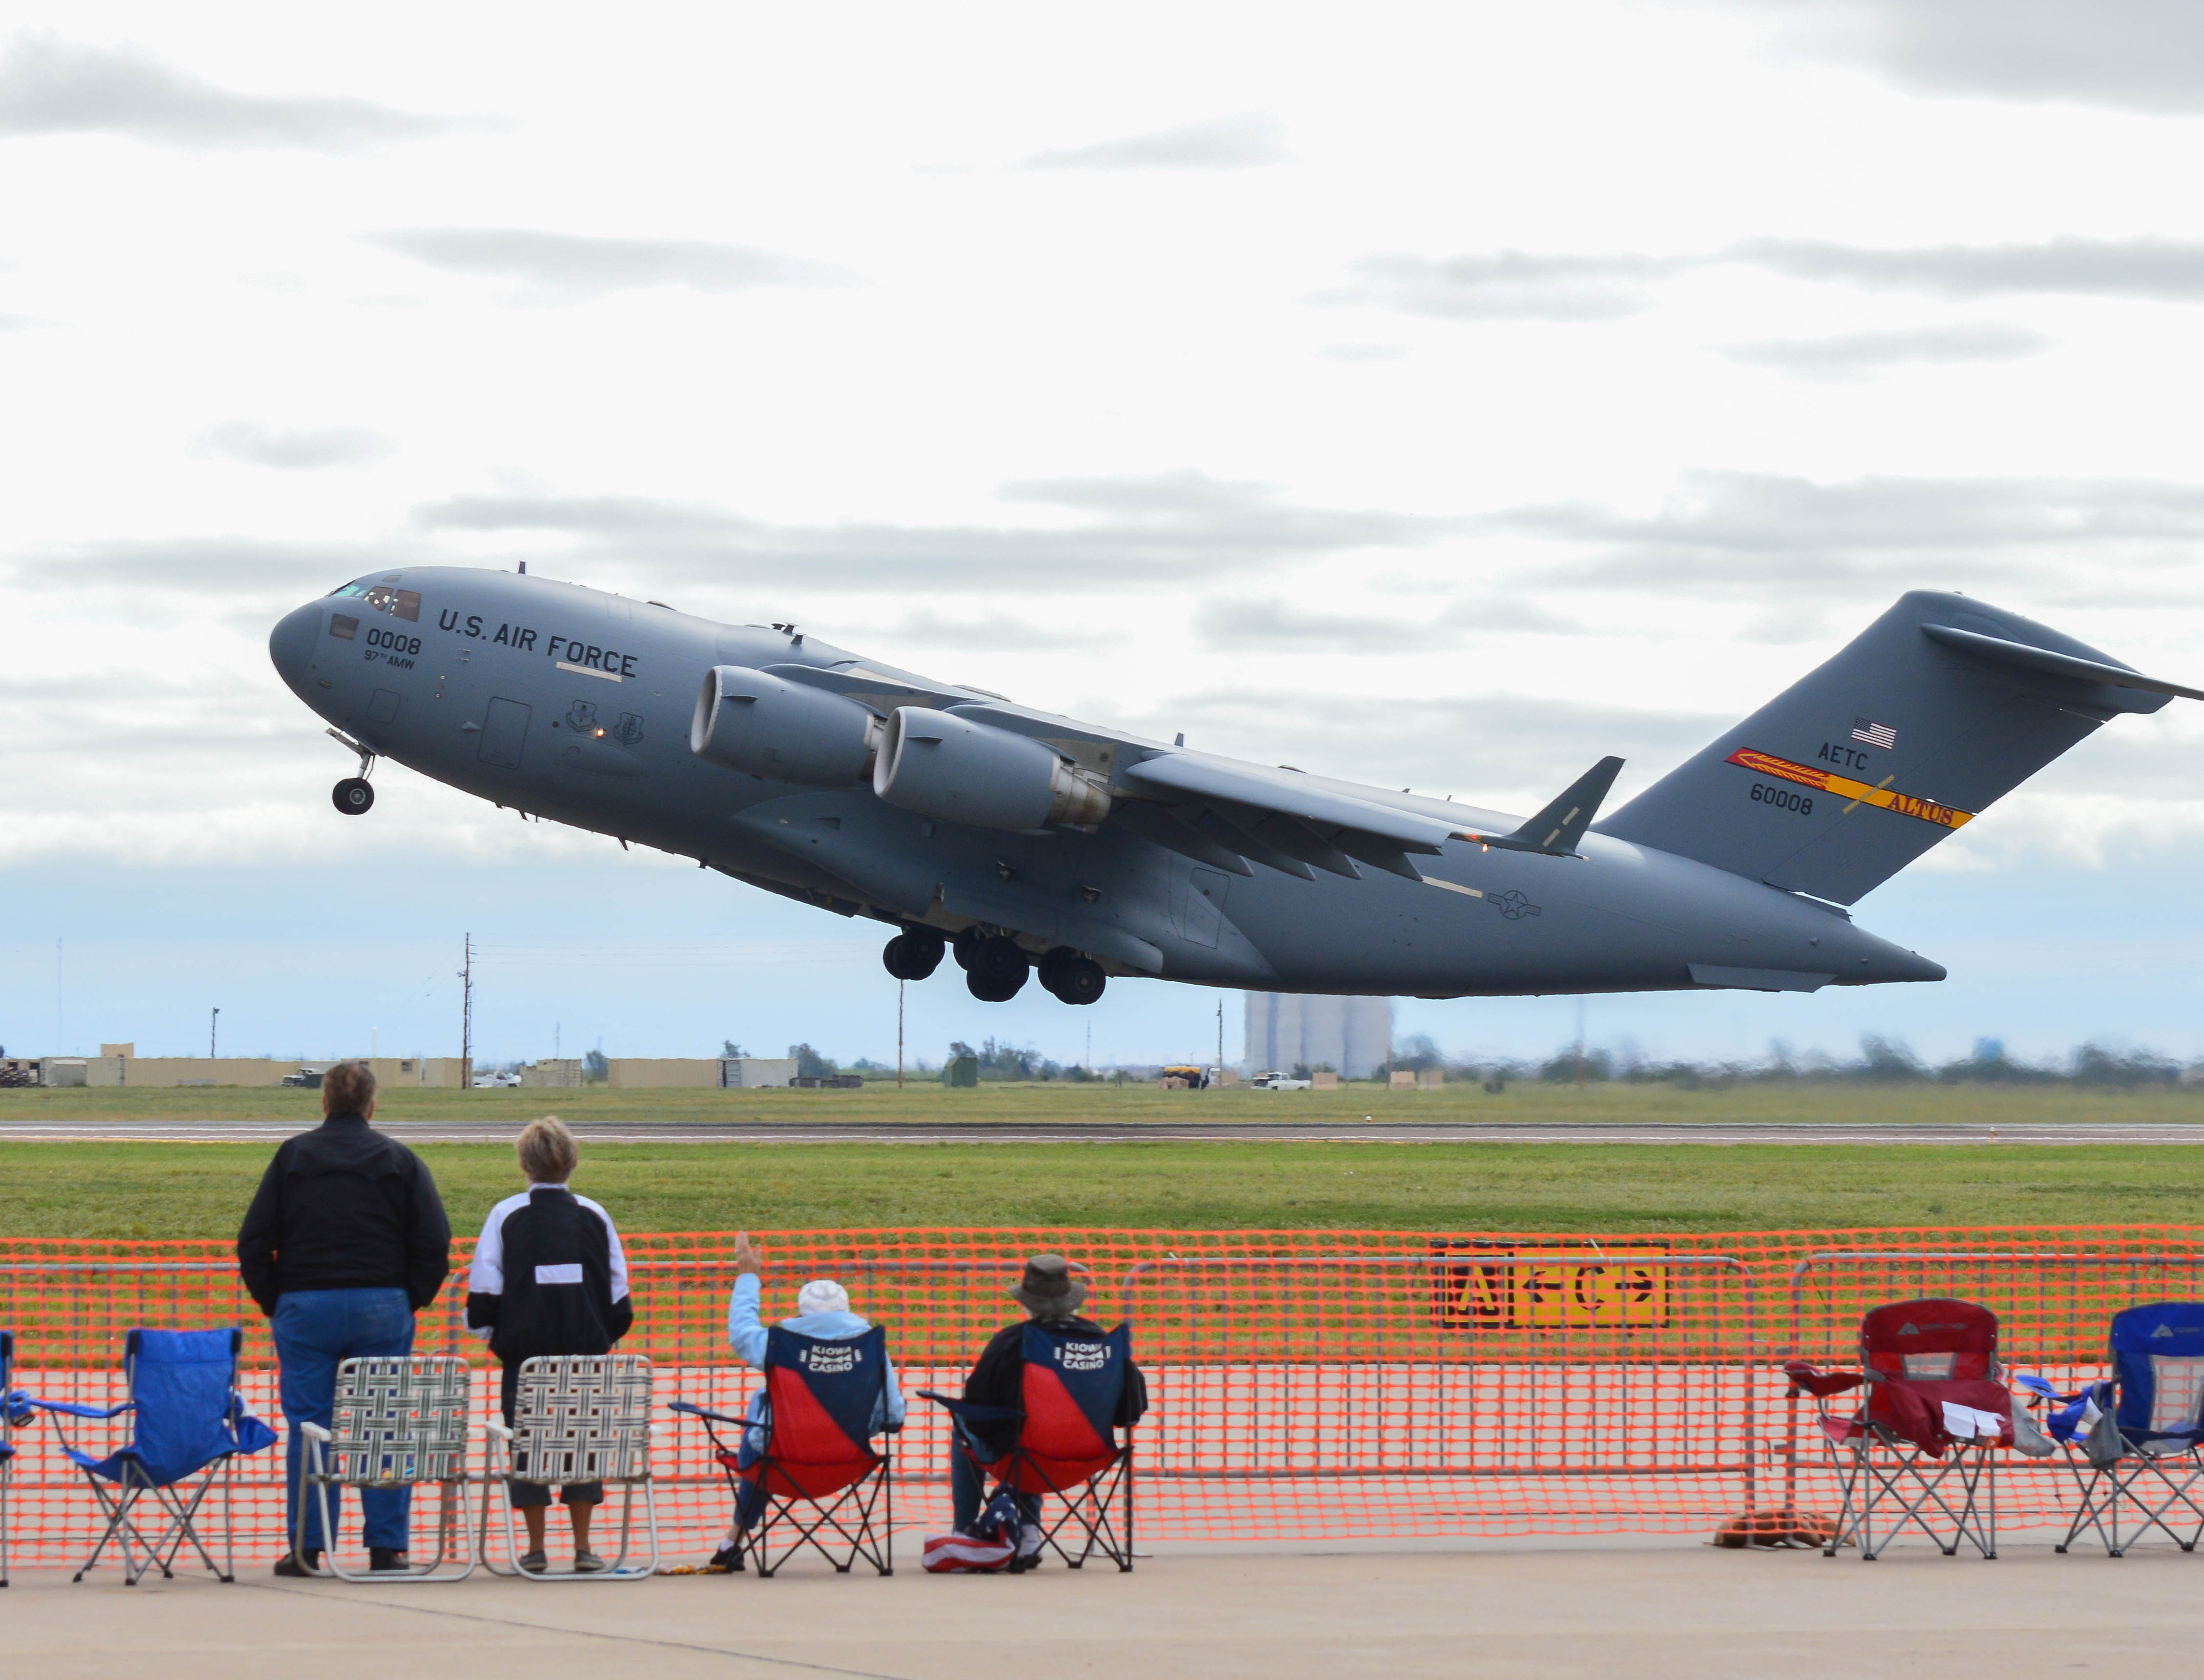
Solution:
(1440, 396)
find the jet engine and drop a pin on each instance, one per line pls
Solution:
(749, 720)
(940, 765)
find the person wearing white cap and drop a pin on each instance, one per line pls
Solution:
(822, 1311)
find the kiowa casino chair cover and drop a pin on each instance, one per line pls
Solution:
(188, 1420)
(2135, 1441)
(822, 1397)
(1930, 1387)
(396, 1423)
(1067, 1443)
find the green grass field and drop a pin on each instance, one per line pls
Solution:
(200, 1190)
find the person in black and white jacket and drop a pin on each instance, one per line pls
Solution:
(549, 1278)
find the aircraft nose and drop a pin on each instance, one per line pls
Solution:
(291, 645)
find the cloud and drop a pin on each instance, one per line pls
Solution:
(1731, 527)
(584, 265)
(52, 87)
(1524, 285)
(1363, 353)
(2169, 270)
(1851, 356)
(1250, 140)
(2129, 54)
(1507, 285)
(295, 448)
(1171, 526)
(202, 568)
(1272, 625)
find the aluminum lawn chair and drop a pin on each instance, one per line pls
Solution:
(1916, 1450)
(1067, 1443)
(810, 1451)
(397, 1423)
(187, 1421)
(2135, 1442)
(577, 1417)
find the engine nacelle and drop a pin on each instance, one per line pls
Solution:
(940, 765)
(748, 721)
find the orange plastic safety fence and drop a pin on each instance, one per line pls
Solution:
(1320, 1384)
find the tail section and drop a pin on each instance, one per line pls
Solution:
(1941, 707)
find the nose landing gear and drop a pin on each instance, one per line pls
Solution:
(352, 797)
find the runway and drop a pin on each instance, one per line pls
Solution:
(982, 1132)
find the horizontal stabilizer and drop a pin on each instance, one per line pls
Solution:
(1560, 828)
(1998, 651)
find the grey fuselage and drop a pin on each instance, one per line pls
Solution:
(575, 705)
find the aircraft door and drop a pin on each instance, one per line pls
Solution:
(503, 731)
(1204, 907)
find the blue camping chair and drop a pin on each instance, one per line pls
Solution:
(6, 1451)
(188, 1421)
(2133, 1440)
(811, 1441)
(1067, 1443)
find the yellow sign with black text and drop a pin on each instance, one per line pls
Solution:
(1573, 1288)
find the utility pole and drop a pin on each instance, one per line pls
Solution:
(1220, 1041)
(61, 1041)
(213, 1022)
(1090, 1046)
(899, 985)
(467, 1018)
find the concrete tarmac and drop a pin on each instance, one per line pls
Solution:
(1676, 1613)
(1104, 1131)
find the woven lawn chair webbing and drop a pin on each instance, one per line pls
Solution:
(1304, 1384)
(401, 1421)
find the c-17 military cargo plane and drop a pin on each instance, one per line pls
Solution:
(1030, 842)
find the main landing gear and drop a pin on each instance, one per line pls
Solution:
(995, 966)
(352, 797)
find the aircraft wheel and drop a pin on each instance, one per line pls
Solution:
(1081, 980)
(913, 954)
(1001, 960)
(994, 988)
(965, 947)
(1050, 969)
(352, 797)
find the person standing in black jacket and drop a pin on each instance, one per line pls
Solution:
(345, 1241)
(548, 1278)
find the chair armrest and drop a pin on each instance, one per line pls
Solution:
(659, 1429)
(1811, 1379)
(971, 1410)
(494, 1429)
(315, 1432)
(702, 1412)
(29, 1401)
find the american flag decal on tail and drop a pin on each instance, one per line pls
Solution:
(1874, 734)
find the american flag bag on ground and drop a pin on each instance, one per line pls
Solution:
(987, 1548)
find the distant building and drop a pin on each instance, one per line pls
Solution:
(1287, 1029)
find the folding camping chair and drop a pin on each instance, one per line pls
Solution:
(397, 1423)
(189, 1421)
(1932, 1385)
(577, 1417)
(2140, 1435)
(6, 1448)
(812, 1443)
(1067, 1442)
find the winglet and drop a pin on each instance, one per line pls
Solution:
(1560, 828)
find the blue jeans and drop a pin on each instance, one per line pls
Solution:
(315, 1329)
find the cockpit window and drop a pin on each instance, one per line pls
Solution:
(381, 598)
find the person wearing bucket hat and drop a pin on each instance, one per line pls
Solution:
(1053, 1293)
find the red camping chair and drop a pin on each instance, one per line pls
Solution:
(812, 1448)
(1067, 1444)
(1933, 1407)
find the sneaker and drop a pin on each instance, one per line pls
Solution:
(289, 1567)
(533, 1562)
(587, 1563)
(728, 1559)
(385, 1559)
